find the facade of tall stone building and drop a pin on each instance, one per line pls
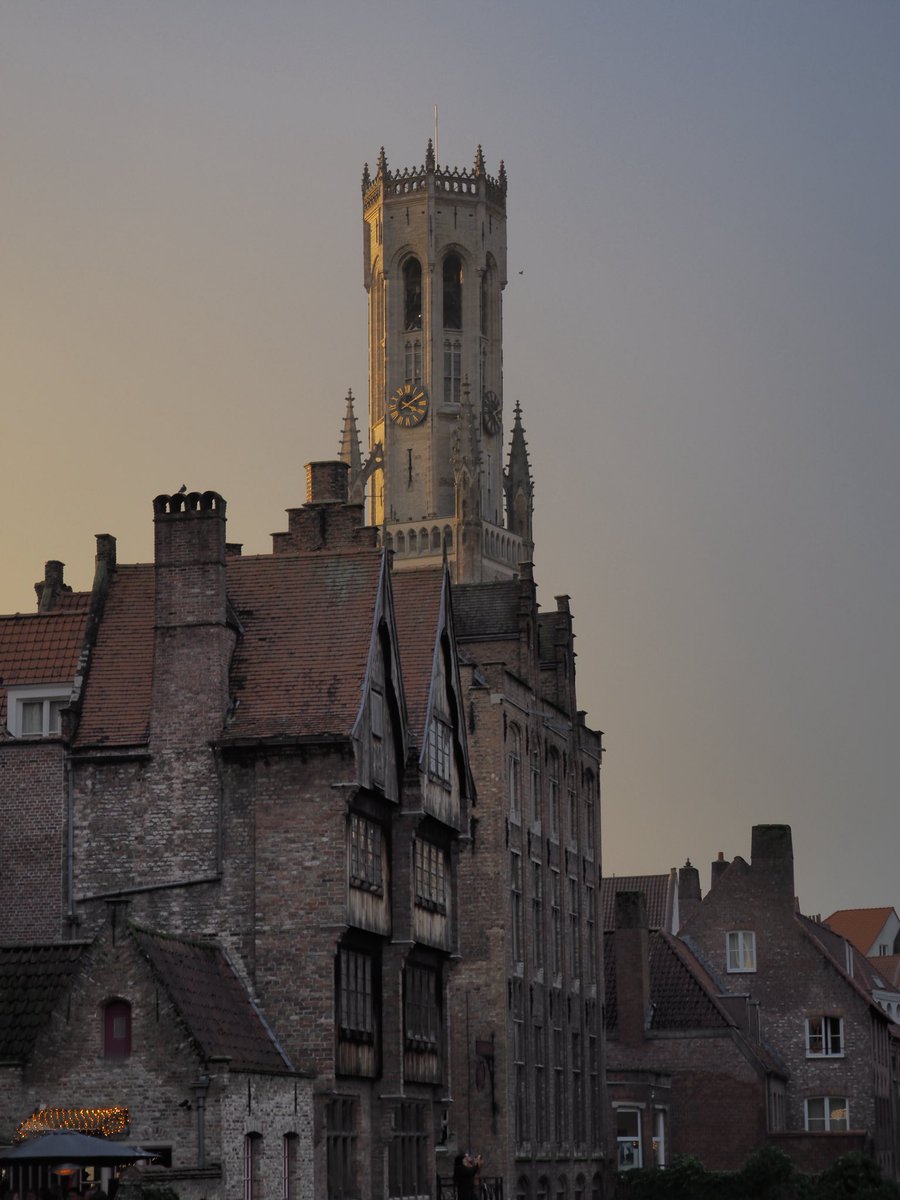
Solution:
(345, 784)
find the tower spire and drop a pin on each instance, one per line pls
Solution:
(351, 454)
(519, 487)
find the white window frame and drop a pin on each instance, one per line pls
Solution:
(740, 949)
(831, 1030)
(841, 1124)
(46, 693)
(633, 1144)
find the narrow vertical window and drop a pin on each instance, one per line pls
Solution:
(340, 1148)
(289, 1166)
(452, 370)
(252, 1155)
(628, 1138)
(519, 1083)
(553, 792)
(376, 708)
(514, 771)
(117, 1029)
(453, 275)
(537, 914)
(555, 923)
(515, 871)
(412, 294)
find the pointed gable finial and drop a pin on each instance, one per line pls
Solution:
(501, 177)
(518, 485)
(479, 162)
(429, 156)
(351, 454)
(382, 163)
(366, 178)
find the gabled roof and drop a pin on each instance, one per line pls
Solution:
(417, 606)
(212, 1001)
(679, 998)
(860, 975)
(116, 700)
(659, 894)
(300, 663)
(886, 967)
(38, 648)
(32, 979)
(861, 926)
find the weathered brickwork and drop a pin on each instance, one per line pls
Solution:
(32, 840)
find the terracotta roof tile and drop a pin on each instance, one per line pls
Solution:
(39, 648)
(212, 1001)
(887, 966)
(485, 610)
(658, 892)
(417, 605)
(116, 706)
(300, 664)
(861, 926)
(32, 978)
(677, 992)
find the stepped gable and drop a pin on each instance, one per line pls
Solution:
(300, 662)
(212, 1001)
(483, 611)
(417, 607)
(861, 926)
(38, 648)
(32, 979)
(658, 894)
(116, 705)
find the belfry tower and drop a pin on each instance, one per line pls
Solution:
(434, 269)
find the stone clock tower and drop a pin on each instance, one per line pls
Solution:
(434, 246)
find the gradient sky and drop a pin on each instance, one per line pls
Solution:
(705, 340)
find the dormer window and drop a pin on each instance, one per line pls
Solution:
(36, 712)
(439, 751)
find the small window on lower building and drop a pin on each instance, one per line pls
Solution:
(252, 1157)
(117, 1029)
(824, 1037)
(36, 712)
(740, 948)
(827, 1114)
(628, 1138)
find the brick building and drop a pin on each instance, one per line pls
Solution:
(271, 770)
(367, 789)
(816, 1009)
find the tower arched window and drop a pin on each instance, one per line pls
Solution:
(412, 294)
(117, 1029)
(452, 370)
(485, 301)
(453, 275)
(412, 361)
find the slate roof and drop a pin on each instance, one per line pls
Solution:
(417, 606)
(486, 610)
(680, 999)
(32, 979)
(659, 893)
(861, 926)
(212, 1001)
(299, 666)
(116, 705)
(37, 648)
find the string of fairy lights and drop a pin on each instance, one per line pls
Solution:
(101, 1122)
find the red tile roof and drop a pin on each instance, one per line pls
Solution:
(300, 664)
(861, 926)
(417, 604)
(40, 648)
(678, 993)
(212, 1001)
(887, 966)
(116, 704)
(659, 893)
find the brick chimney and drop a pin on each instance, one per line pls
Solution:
(193, 641)
(772, 857)
(689, 896)
(327, 521)
(632, 942)
(717, 868)
(51, 586)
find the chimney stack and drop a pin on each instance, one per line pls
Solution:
(632, 942)
(689, 895)
(772, 856)
(719, 865)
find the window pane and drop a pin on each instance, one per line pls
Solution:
(32, 718)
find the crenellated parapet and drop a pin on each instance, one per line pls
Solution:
(430, 177)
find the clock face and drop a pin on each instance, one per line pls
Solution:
(408, 405)
(491, 412)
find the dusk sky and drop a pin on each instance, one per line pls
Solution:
(702, 325)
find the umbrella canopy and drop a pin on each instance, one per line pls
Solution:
(62, 1146)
